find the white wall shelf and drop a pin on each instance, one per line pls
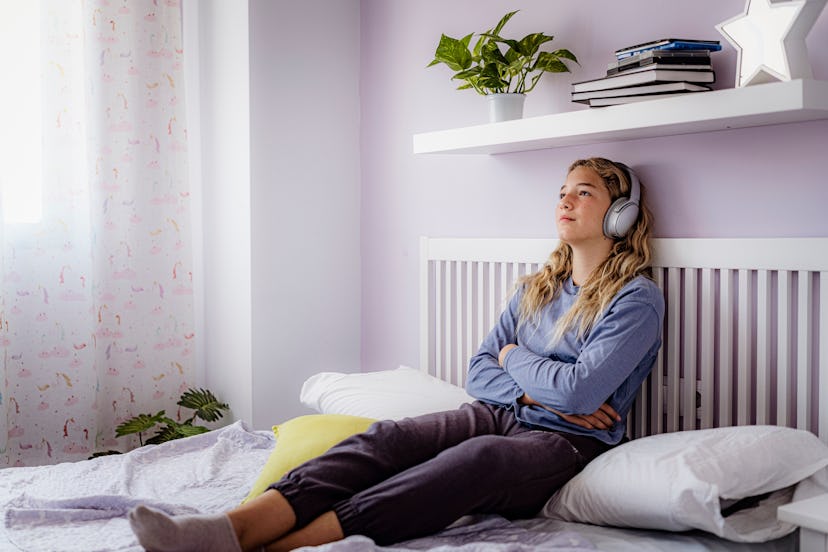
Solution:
(764, 104)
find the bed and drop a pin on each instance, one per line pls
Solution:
(741, 349)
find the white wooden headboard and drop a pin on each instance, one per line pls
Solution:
(745, 330)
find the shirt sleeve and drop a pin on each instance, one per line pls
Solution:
(615, 346)
(486, 379)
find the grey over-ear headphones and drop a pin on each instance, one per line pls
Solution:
(623, 213)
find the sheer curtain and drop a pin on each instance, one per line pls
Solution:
(97, 306)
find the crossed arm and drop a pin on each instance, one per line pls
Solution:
(603, 418)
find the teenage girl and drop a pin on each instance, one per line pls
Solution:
(554, 379)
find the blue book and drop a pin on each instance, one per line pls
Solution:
(669, 44)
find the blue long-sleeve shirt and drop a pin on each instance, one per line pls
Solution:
(573, 376)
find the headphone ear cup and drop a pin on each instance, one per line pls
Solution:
(623, 213)
(620, 217)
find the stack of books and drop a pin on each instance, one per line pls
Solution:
(650, 70)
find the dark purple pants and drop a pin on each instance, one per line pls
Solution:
(413, 477)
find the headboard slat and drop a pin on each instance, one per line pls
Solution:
(468, 341)
(744, 352)
(689, 346)
(656, 380)
(672, 340)
(821, 335)
(804, 381)
(707, 349)
(741, 332)
(764, 339)
(783, 347)
(491, 305)
(456, 376)
(439, 316)
(725, 364)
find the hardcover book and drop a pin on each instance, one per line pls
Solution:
(644, 77)
(603, 102)
(669, 44)
(684, 57)
(656, 66)
(640, 90)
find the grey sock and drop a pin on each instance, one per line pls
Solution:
(158, 532)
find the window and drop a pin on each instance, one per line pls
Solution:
(20, 111)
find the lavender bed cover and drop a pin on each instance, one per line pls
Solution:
(81, 506)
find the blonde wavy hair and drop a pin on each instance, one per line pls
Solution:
(629, 258)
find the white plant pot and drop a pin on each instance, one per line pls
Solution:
(505, 107)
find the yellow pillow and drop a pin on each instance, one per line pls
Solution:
(300, 439)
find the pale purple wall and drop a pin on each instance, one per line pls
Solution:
(766, 181)
(274, 89)
(304, 198)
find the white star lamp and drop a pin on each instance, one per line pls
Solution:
(769, 38)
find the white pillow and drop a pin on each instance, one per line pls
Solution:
(383, 395)
(678, 481)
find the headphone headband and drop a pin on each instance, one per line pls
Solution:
(635, 185)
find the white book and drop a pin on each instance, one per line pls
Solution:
(659, 66)
(640, 90)
(602, 102)
(644, 77)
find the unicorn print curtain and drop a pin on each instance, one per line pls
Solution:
(96, 319)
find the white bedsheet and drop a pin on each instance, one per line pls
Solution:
(495, 534)
(81, 506)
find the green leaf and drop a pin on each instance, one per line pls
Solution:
(139, 424)
(188, 430)
(550, 62)
(566, 54)
(512, 44)
(468, 74)
(166, 433)
(478, 47)
(492, 54)
(454, 53)
(491, 78)
(105, 453)
(472, 82)
(492, 35)
(173, 430)
(530, 44)
(206, 405)
(503, 20)
(516, 61)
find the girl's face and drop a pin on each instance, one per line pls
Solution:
(584, 200)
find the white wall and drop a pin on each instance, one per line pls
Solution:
(279, 92)
(217, 50)
(305, 196)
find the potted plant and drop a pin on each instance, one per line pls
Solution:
(202, 402)
(508, 75)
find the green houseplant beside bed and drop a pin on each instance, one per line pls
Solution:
(204, 404)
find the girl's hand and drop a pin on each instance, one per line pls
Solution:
(603, 418)
(503, 352)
